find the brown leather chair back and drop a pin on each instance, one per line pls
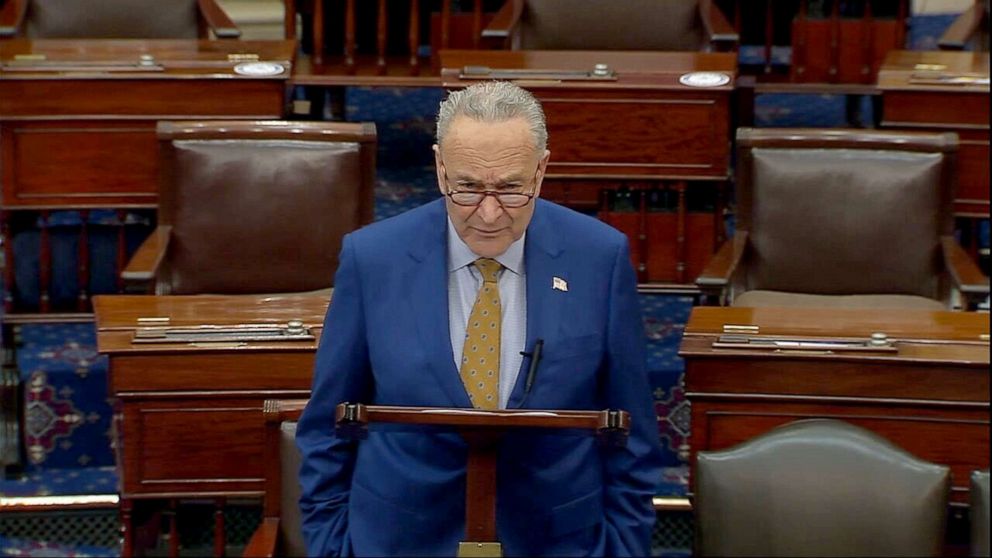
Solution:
(840, 212)
(112, 19)
(819, 487)
(979, 511)
(623, 25)
(261, 207)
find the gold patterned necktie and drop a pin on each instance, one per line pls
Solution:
(480, 356)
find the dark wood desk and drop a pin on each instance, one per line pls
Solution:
(190, 419)
(930, 395)
(77, 117)
(914, 97)
(642, 130)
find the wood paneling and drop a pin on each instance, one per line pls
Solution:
(80, 163)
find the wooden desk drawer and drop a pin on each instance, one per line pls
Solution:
(72, 163)
(200, 444)
(936, 109)
(195, 371)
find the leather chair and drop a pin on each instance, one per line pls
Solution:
(281, 530)
(255, 207)
(666, 25)
(969, 28)
(979, 511)
(844, 218)
(819, 487)
(115, 19)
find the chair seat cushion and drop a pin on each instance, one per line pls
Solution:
(803, 300)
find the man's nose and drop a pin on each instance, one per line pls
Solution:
(490, 209)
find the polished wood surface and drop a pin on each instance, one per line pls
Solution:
(69, 109)
(837, 322)
(192, 413)
(930, 395)
(941, 90)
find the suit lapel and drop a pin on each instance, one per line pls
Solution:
(427, 281)
(544, 304)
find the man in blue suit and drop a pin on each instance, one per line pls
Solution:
(434, 308)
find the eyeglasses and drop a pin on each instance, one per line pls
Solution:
(470, 198)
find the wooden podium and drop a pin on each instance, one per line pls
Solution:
(482, 430)
(919, 378)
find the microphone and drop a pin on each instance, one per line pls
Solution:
(535, 358)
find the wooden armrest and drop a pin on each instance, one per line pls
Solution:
(963, 28)
(263, 541)
(964, 271)
(218, 20)
(12, 16)
(145, 263)
(723, 264)
(505, 20)
(719, 31)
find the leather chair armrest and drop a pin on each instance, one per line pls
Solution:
(218, 20)
(716, 276)
(962, 29)
(501, 27)
(719, 31)
(145, 263)
(12, 17)
(967, 277)
(263, 541)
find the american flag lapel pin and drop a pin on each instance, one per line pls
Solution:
(559, 284)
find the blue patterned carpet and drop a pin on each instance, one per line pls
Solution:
(23, 547)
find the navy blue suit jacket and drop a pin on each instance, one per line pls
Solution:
(386, 342)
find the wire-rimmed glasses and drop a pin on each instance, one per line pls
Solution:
(470, 198)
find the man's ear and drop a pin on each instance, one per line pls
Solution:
(437, 169)
(542, 167)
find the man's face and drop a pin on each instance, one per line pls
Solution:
(489, 157)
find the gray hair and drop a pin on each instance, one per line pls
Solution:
(493, 101)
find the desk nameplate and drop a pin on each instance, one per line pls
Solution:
(294, 330)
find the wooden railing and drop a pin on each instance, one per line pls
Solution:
(828, 46)
(45, 308)
(428, 27)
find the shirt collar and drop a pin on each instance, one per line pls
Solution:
(460, 255)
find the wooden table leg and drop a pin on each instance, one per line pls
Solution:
(127, 528)
(173, 515)
(220, 539)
